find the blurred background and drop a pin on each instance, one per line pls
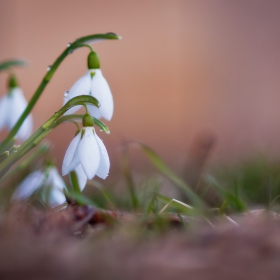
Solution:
(185, 70)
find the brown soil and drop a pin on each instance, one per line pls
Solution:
(63, 245)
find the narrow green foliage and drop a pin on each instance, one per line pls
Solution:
(175, 205)
(4, 155)
(104, 192)
(129, 180)
(101, 125)
(232, 197)
(80, 198)
(174, 201)
(4, 65)
(170, 175)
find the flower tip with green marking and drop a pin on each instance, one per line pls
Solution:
(93, 83)
(86, 155)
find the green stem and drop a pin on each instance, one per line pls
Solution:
(81, 42)
(74, 181)
(42, 149)
(88, 46)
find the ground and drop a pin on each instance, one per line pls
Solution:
(82, 243)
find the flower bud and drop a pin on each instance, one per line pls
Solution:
(88, 120)
(93, 61)
(12, 82)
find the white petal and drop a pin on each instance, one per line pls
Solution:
(70, 154)
(55, 179)
(56, 197)
(29, 185)
(4, 111)
(101, 91)
(17, 105)
(88, 152)
(82, 177)
(104, 164)
(75, 161)
(81, 87)
(26, 128)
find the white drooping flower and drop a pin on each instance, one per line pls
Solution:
(93, 83)
(12, 106)
(49, 180)
(87, 156)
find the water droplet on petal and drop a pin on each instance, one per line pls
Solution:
(49, 68)
(66, 93)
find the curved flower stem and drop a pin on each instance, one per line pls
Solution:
(97, 122)
(74, 181)
(86, 45)
(45, 129)
(81, 42)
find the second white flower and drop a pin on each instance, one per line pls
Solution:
(87, 153)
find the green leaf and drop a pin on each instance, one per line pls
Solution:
(169, 174)
(129, 179)
(4, 156)
(95, 38)
(178, 205)
(101, 125)
(81, 199)
(4, 65)
(104, 192)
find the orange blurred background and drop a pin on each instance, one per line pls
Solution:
(184, 67)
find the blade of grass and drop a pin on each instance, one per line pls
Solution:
(175, 201)
(129, 179)
(170, 175)
(80, 199)
(105, 192)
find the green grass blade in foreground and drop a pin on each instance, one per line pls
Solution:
(179, 206)
(169, 174)
(129, 179)
(4, 65)
(80, 198)
(104, 192)
(229, 198)
(148, 195)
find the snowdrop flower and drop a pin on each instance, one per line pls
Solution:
(49, 178)
(86, 155)
(93, 83)
(12, 106)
